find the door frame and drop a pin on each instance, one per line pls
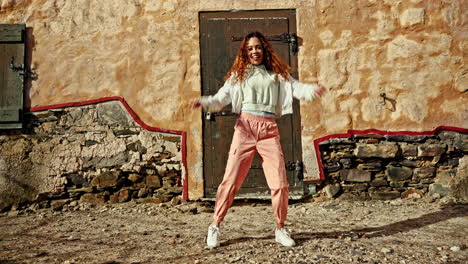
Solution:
(298, 189)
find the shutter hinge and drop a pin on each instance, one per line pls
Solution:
(22, 70)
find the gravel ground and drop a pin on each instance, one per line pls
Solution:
(333, 231)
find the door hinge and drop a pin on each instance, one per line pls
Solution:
(286, 38)
(298, 168)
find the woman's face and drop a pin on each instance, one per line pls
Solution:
(255, 51)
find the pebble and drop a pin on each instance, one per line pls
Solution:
(455, 249)
(386, 250)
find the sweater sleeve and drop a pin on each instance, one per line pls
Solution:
(214, 103)
(303, 91)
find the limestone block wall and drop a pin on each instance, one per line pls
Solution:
(389, 65)
(93, 153)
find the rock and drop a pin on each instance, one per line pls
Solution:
(340, 154)
(346, 187)
(378, 182)
(455, 249)
(384, 195)
(412, 16)
(311, 188)
(411, 193)
(409, 163)
(398, 173)
(106, 179)
(174, 190)
(398, 184)
(408, 150)
(405, 138)
(337, 141)
(461, 145)
(386, 250)
(347, 163)
(135, 178)
(371, 166)
(81, 190)
(459, 183)
(123, 196)
(113, 113)
(77, 180)
(347, 196)
(93, 198)
(57, 205)
(153, 200)
(13, 213)
(448, 200)
(355, 175)
(104, 162)
(176, 200)
(378, 151)
(423, 173)
(137, 147)
(332, 190)
(332, 167)
(431, 150)
(114, 161)
(143, 192)
(153, 181)
(360, 187)
(437, 188)
(445, 175)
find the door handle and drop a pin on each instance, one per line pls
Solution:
(209, 116)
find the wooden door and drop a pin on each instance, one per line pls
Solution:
(220, 37)
(11, 75)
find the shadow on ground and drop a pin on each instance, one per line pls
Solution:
(446, 213)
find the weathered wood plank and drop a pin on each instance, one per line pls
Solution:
(11, 77)
(12, 32)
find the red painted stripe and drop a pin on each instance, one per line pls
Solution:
(375, 131)
(184, 134)
(138, 121)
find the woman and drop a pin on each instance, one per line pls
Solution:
(260, 88)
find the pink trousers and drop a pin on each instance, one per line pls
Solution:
(254, 133)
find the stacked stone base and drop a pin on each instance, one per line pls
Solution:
(389, 167)
(89, 154)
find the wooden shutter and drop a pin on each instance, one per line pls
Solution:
(12, 41)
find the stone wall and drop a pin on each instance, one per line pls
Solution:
(387, 64)
(375, 166)
(93, 153)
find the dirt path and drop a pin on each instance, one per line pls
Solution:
(399, 231)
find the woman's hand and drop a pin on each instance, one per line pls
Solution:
(320, 90)
(195, 103)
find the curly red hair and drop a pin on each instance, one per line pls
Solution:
(270, 59)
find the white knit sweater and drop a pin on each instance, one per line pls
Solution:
(231, 93)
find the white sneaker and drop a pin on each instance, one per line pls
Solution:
(282, 236)
(212, 240)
